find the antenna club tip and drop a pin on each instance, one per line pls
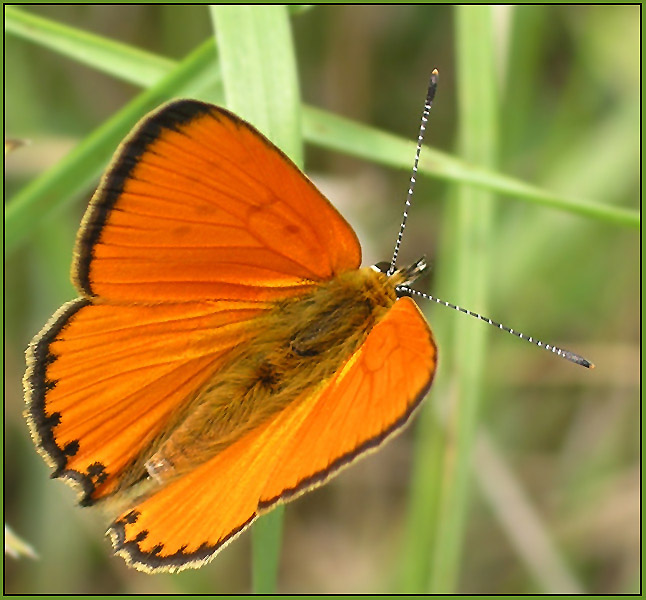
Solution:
(432, 86)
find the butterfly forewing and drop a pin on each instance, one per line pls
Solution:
(198, 205)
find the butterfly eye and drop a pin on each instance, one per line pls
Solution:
(381, 267)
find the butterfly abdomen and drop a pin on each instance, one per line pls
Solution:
(301, 344)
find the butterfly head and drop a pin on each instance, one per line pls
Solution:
(404, 276)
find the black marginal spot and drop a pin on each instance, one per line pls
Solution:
(141, 536)
(131, 517)
(71, 448)
(54, 419)
(42, 423)
(169, 117)
(97, 473)
(157, 549)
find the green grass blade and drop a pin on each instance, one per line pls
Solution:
(259, 71)
(15, 546)
(424, 496)
(120, 60)
(319, 127)
(81, 167)
(528, 24)
(521, 521)
(261, 84)
(343, 135)
(468, 269)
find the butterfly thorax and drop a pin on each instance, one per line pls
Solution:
(295, 349)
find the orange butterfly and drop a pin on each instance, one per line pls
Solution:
(227, 352)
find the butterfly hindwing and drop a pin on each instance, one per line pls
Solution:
(370, 398)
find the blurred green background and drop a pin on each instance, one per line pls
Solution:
(554, 502)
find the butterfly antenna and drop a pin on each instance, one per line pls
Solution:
(566, 354)
(430, 94)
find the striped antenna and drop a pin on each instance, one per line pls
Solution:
(430, 94)
(566, 354)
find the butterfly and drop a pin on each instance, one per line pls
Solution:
(226, 352)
